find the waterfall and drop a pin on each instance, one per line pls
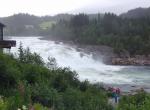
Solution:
(83, 63)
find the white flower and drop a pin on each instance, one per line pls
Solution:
(24, 107)
(18, 109)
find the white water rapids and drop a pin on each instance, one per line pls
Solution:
(86, 66)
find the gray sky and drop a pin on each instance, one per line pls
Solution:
(52, 7)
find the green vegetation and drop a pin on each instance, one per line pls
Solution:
(27, 82)
(46, 25)
(130, 35)
(139, 101)
(28, 25)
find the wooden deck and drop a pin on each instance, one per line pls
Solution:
(7, 43)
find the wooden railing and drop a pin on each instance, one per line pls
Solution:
(7, 43)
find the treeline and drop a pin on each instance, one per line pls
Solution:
(123, 34)
(28, 25)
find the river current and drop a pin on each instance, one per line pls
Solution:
(85, 65)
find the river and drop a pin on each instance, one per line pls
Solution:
(85, 65)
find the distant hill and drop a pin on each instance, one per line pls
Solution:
(27, 25)
(137, 13)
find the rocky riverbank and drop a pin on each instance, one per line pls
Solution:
(106, 54)
(138, 60)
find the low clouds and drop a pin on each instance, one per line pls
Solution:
(115, 6)
(51, 7)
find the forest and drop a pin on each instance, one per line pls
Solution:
(131, 35)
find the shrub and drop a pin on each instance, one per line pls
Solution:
(38, 106)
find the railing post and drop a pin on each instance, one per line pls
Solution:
(1, 33)
(1, 37)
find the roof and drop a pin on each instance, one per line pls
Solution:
(2, 25)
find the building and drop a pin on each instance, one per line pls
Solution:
(5, 43)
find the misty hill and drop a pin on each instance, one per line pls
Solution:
(19, 23)
(137, 13)
(26, 25)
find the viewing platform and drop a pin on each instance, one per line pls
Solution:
(5, 43)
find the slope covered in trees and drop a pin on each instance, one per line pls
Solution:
(131, 35)
(137, 13)
(27, 25)
(28, 83)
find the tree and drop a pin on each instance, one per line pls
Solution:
(51, 64)
(21, 52)
(79, 20)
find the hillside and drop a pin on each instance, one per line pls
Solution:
(28, 82)
(124, 35)
(137, 13)
(27, 25)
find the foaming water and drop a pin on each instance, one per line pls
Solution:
(85, 65)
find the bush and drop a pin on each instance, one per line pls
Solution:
(3, 104)
(140, 101)
(37, 106)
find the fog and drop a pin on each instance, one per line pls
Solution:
(114, 6)
(51, 7)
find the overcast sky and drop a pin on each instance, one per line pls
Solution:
(52, 7)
